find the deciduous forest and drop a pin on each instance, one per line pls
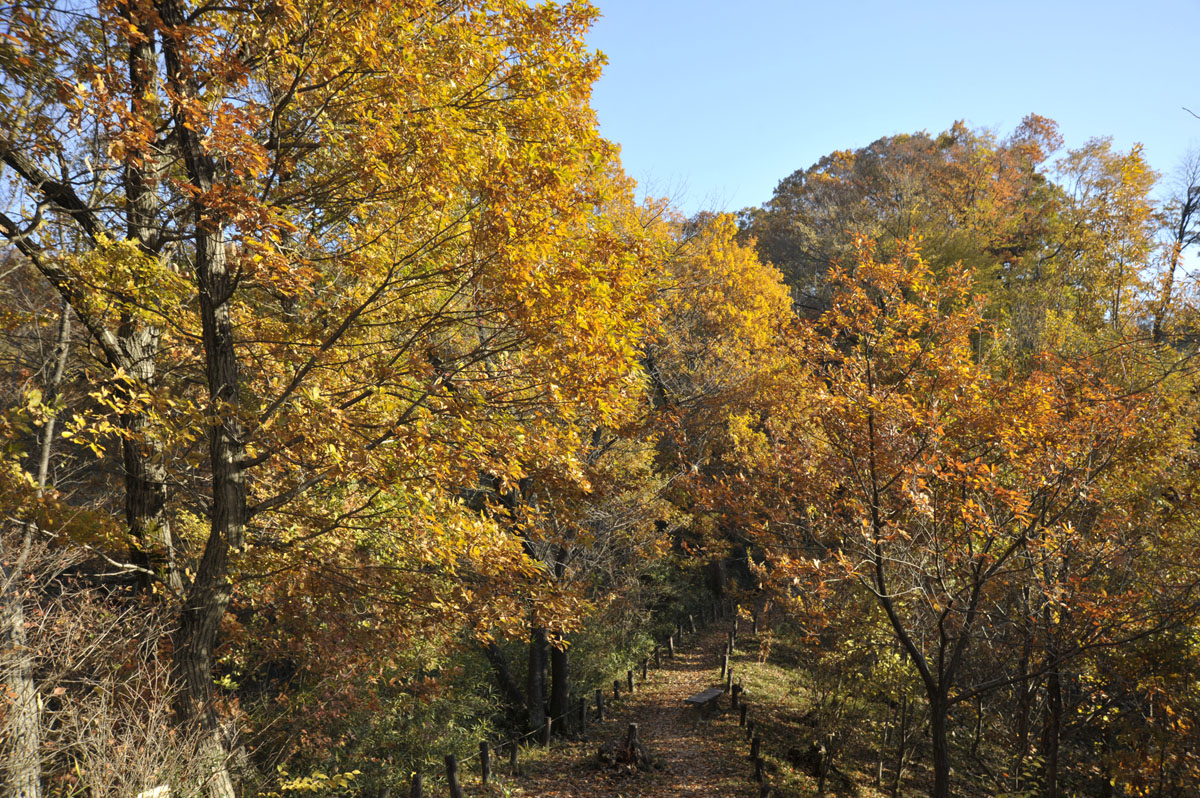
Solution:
(356, 409)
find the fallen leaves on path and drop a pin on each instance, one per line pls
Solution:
(699, 757)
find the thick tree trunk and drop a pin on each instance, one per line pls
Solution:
(718, 577)
(940, 743)
(504, 678)
(145, 471)
(560, 686)
(212, 588)
(536, 693)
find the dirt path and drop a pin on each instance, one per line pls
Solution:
(699, 757)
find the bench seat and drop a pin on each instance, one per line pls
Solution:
(706, 700)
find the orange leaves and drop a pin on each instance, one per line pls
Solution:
(927, 467)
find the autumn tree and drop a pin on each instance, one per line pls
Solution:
(1060, 240)
(904, 466)
(359, 239)
(973, 198)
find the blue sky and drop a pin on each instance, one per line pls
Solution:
(715, 102)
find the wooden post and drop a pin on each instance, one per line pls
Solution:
(742, 716)
(732, 641)
(616, 690)
(735, 693)
(599, 704)
(452, 776)
(749, 728)
(755, 744)
(724, 665)
(629, 680)
(657, 657)
(645, 667)
(729, 681)
(418, 786)
(583, 718)
(485, 763)
(692, 623)
(547, 730)
(679, 631)
(754, 624)
(737, 617)
(514, 747)
(759, 776)
(671, 647)
(631, 741)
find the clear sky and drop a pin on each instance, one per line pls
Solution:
(715, 102)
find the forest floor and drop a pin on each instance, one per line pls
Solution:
(695, 757)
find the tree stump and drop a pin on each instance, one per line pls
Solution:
(632, 754)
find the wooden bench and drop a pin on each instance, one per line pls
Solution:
(706, 702)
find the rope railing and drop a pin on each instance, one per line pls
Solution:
(719, 611)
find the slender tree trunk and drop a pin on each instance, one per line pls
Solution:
(560, 663)
(902, 746)
(975, 740)
(536, 693)
(1051, 734)
(1024, 690)
(1106, 774)
(62, 349)
(1183, 235)
(23, 762)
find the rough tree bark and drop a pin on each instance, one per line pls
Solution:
(211, 591)
(23, 750)
(504, 678)
(145, 470)
(536, 690)
(560, 685)
(1052, 733)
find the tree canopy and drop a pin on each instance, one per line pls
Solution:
(351, 389)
